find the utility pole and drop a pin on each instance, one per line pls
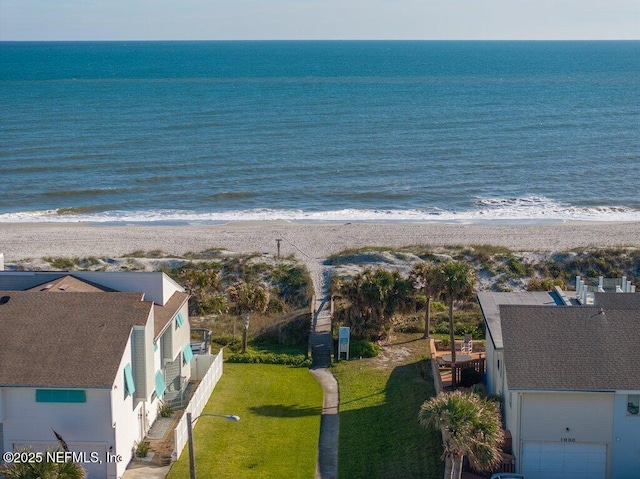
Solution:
(192, 462)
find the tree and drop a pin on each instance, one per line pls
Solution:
(471, 427)
(43, 469)
(425, 276)
(372, 299)
(248, 298)
(457, 282)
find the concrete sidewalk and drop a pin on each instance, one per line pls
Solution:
(137, 470)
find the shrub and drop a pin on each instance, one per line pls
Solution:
(363, 349)
(166, 410)
(251, 357)
(142, 449)
(544, 284)
(61, 262)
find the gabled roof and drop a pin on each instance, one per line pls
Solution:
(490, 305)
(582, 348)
(75, 339)
(163, 314)
(70, 284)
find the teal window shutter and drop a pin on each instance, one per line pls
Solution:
(129, 385)
(61, 395)
(161, 386)
(179, 320)
(187, 354)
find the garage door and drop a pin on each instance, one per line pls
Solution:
(96, 469)
(564, 460)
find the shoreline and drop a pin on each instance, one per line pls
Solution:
(305, 240)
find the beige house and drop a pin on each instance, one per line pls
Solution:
(570, 383)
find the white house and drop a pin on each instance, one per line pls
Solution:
(571, 385)
(91, 356)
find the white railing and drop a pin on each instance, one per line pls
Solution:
(198, 402)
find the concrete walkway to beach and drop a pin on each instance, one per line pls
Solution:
(320, 340)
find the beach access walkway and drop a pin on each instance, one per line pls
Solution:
(320, 343)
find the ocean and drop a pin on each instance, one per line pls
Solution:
(209, 132)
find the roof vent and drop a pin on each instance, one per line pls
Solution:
(63, 287)
(5, 299)
(49, 286)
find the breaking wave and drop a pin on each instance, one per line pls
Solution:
(483, 210)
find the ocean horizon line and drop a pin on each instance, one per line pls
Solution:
(334, 40)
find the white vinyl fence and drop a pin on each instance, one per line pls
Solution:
(199, 399)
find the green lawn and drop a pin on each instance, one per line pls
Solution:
(380, 436)
(277, 435)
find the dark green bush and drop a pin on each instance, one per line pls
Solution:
(363, 349)
(270, 358)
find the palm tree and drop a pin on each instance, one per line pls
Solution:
(470, 426)
(425, 276)
(372, 298)
(248, 298)
(457, 281)
(42, 469)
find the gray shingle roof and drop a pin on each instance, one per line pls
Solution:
(571, 348)
(618, 300)
(490, 303)
(163, 314)
(68, 284)
(75, 339)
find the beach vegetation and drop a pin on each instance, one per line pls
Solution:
(209, 253)
(292, 283)
(62, 262)
(247, 298)
(216, 285)
(368, 302)
(277, 435)
(471, 427)
(544, 284)
(364, 254)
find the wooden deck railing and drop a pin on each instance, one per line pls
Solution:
(477, 365)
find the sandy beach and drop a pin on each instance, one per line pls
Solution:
(306, 241)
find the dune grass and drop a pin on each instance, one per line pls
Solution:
(277, 435)
(380, 436)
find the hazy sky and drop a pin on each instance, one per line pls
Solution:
(318, 19)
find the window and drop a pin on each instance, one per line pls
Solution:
(161, 386)
(633, 404)
(129, 385)
(187, 354)
(179, 320)
(61, 395)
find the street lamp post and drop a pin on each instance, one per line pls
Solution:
(192, 462)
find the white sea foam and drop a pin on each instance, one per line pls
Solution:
(485, 210)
